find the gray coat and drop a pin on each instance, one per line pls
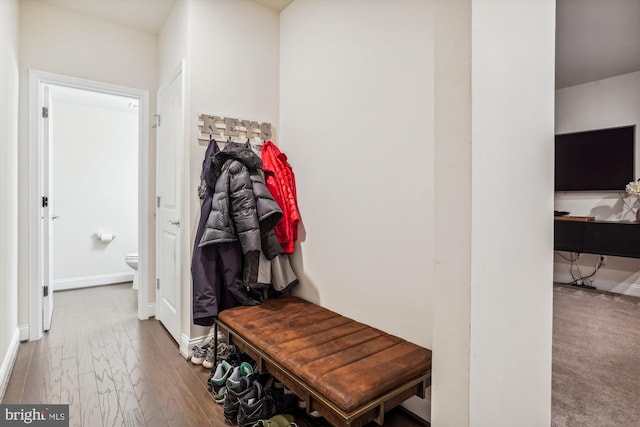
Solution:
(242, 207)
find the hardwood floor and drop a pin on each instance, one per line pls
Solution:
(114, 370)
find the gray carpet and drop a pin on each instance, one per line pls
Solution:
(596, 359)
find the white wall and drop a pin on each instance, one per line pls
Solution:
(174, 52)
(95, 188)
(357, 125)
(350, 102)
(58, 40)
(452, 240)
(234, 73)
(357, 122)
(357, 119)
(231, 55)
(9, 60)
(601, 104)
(512, 65)
(67, 42)
(173, 41)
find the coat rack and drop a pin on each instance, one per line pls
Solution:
(222, 128)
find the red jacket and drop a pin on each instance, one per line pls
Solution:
(281, 183)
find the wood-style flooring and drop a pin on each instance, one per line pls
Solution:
(114, 370)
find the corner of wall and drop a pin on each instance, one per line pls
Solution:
(24, 332)
(419, 407)
(185, 346)
(151, 309)
(451, 317)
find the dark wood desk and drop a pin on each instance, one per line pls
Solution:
(615, 238)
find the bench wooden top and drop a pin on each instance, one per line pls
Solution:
(349, 362)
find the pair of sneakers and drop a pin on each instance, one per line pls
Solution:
(254, 400)
(200, 351)
(225, 375)
(205, 353)
(224, 352)
(248, 402)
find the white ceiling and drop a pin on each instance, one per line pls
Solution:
(143, 15)
(277, 5)
(595, 39)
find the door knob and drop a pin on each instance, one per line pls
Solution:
(176, 222)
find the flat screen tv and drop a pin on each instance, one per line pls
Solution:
(595, 160)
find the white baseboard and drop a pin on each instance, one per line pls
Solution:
(186, 343)
(24, 332)
(619, 288)
(185, 348)
(8, 361)
(151, 310)
(623, 288)
(89, 281)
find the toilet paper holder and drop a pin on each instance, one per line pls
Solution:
(105, 237)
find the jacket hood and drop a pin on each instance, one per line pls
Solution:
(235, 151)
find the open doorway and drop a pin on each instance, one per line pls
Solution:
(88, 143)
(93, 199)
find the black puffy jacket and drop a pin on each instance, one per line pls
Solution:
(242, 207)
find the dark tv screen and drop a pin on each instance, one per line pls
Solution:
(597, 160)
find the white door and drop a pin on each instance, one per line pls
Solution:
(47, 210)
(169, 178)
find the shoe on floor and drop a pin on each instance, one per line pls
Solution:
(208, 360)
(255, 405)
(225, 350)
(220, 396)
(200, 352)
(221, 373)
(285, 401)
(232, 400)
(243, 370)
(281, 420)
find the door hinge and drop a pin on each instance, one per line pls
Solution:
(45, 291)
(157, 201)
(157, 283)
(45, 112)
(45, 201)
(157, 116)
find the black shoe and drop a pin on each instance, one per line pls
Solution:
(237, 357)
(232, 400)
(226, 372)
(256, 405)
(218, 377)
(285, 403)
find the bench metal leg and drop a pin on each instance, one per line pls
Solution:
(215, 343)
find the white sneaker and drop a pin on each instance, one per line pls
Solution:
(200, 352)
(208, 359)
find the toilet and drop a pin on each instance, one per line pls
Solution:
(132, 261)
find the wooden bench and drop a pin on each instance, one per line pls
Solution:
(349, 372)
